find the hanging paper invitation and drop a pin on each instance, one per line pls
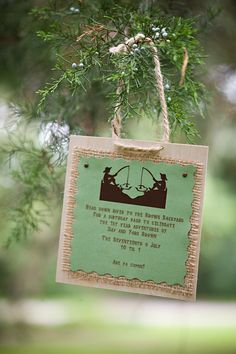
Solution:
(131, 221)
(132, 210)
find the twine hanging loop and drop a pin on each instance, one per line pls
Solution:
(117, 120)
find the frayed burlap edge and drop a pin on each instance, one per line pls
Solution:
(189, 288)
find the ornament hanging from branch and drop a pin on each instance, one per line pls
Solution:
(132, 210)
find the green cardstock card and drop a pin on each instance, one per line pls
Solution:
(132, 219)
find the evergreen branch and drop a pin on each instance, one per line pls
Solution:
(82, 89)
(36, 181)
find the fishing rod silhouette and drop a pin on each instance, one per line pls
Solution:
(108, 178)
(160, 185)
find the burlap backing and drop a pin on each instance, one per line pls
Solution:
(185, 292)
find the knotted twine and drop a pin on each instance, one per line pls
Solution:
(117, 120)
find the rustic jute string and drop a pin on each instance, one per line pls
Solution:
(117, 120)
(184, 67)
(177, 291)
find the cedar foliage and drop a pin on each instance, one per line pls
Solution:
(76, 99)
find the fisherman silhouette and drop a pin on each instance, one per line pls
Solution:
(154, 196)
(160, 185)
(108, 178)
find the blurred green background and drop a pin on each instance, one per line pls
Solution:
(39, 316)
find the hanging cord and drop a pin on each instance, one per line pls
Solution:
(117, 120)
(184, 67)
